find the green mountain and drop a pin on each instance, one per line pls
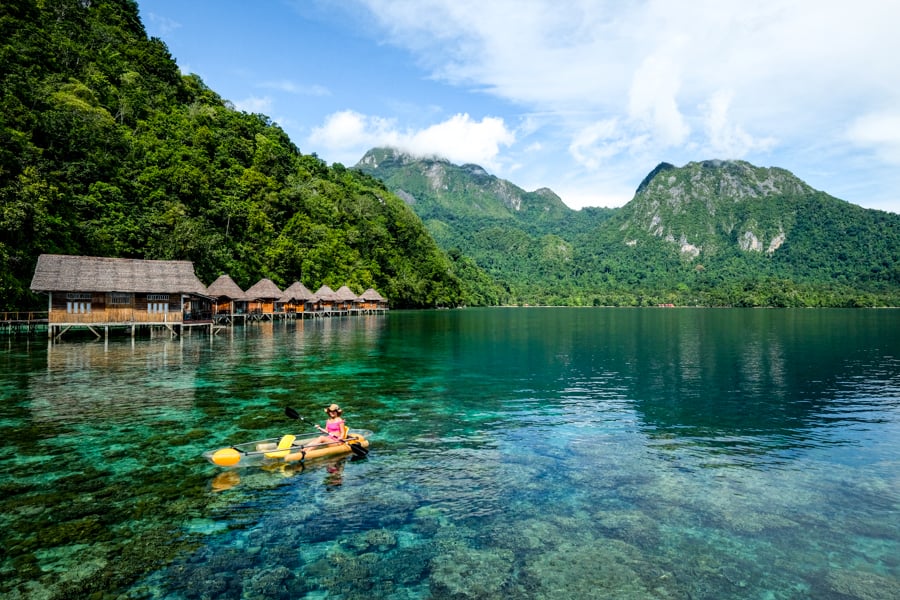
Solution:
(709, 233)
(106, 149)
(436, 186)
(523, 240)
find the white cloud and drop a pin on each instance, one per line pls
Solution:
(164, 25)
(461, 139)
(348, 134)
(596, 143)
(725, 138)
(879, 132)
(349, 130)
(652, 98)
(658, 66)
(602, 85)
(285, 85)
(579, 196)
(254, 104)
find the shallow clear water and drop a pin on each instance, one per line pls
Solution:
(517, 453)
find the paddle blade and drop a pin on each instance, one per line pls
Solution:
(226, 457)
(358, 449)
(290, 412)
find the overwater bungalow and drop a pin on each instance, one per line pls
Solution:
(296, 299)
(229, 301)
(99, 293)
(261, 299)
(324, 301)
(346, 299)
(371, 301)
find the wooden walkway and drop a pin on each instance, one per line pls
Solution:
(237, 318)
(34, 322)
(23, 322)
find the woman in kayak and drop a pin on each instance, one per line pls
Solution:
(335, 427)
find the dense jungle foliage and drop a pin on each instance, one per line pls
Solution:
(106, 149)
(712, 233)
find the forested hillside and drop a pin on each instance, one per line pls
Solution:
(106, 149)
(711, 233)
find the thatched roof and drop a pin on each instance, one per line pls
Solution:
(345, 293)
(64, 273)
(326, 293)
(371, 295)
(225, 287)
(296, 291)
(264, 289)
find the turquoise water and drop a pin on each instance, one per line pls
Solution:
(517, 453)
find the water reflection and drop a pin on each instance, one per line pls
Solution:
(225, 481)
(103, 382)
(332, 471)
(739, 385)
(715, 378)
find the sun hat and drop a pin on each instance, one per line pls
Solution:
(333, 408)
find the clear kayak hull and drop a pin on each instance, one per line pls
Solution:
(288, 448)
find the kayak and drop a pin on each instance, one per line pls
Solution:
(288, 448)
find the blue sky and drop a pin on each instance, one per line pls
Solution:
(584, 97)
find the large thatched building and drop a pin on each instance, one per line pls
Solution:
(89, 291)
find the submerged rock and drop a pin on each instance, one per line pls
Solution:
(862, 585)
(587, 571)
(472, 573)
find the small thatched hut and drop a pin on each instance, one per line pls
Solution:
(325, 300)
(346, 298)
(261, 298)
(295, 298)
(228, 296)
(371, 301)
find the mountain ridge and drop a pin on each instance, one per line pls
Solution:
(736, 191)
(687, 229)
(441, 183)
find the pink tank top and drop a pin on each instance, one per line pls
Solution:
(335, 428)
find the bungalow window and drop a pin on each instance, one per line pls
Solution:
(158, 308)
(78, 308)
(78, 303)
(157, 304)
(120, 299)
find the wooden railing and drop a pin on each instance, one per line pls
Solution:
(23, 316)
(119, 316)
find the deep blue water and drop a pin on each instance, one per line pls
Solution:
(517, 453)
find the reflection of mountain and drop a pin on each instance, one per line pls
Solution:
(773, 373)
(763, 379)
